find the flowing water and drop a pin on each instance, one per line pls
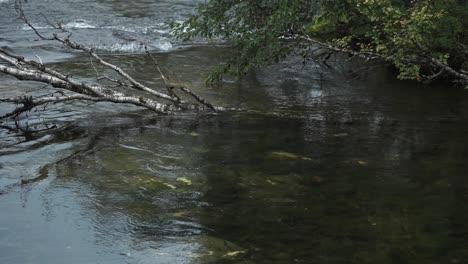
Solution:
(331, 167)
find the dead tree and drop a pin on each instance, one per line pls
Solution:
(166, 100)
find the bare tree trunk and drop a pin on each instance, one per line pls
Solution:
(162, 101)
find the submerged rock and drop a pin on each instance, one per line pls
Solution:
(288, 155)
(214, 248)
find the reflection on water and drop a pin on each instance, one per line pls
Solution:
(330, 170)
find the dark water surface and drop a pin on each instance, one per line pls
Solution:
(332, 167)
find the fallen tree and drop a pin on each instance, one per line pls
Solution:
(173, 97)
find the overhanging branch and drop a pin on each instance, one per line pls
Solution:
(457, 75)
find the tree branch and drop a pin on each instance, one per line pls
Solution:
(459, 76)
(29, 70)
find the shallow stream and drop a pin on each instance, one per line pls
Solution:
(327, 166)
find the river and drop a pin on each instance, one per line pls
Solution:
(335, 165)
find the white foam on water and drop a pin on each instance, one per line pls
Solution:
(165, 46)
(144, 30)
(79, 25)
(123, 28)
(163, 31)
(26, 27)
(120, 47)
(71, 25)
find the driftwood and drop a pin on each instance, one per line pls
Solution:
(162, 101)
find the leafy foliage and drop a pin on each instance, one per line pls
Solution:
(411, 34)
(407, 33)
(253, 27)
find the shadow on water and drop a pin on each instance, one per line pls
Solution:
(329, 170)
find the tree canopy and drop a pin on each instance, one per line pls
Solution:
(424, 40)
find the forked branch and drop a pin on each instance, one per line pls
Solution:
(163, 100)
